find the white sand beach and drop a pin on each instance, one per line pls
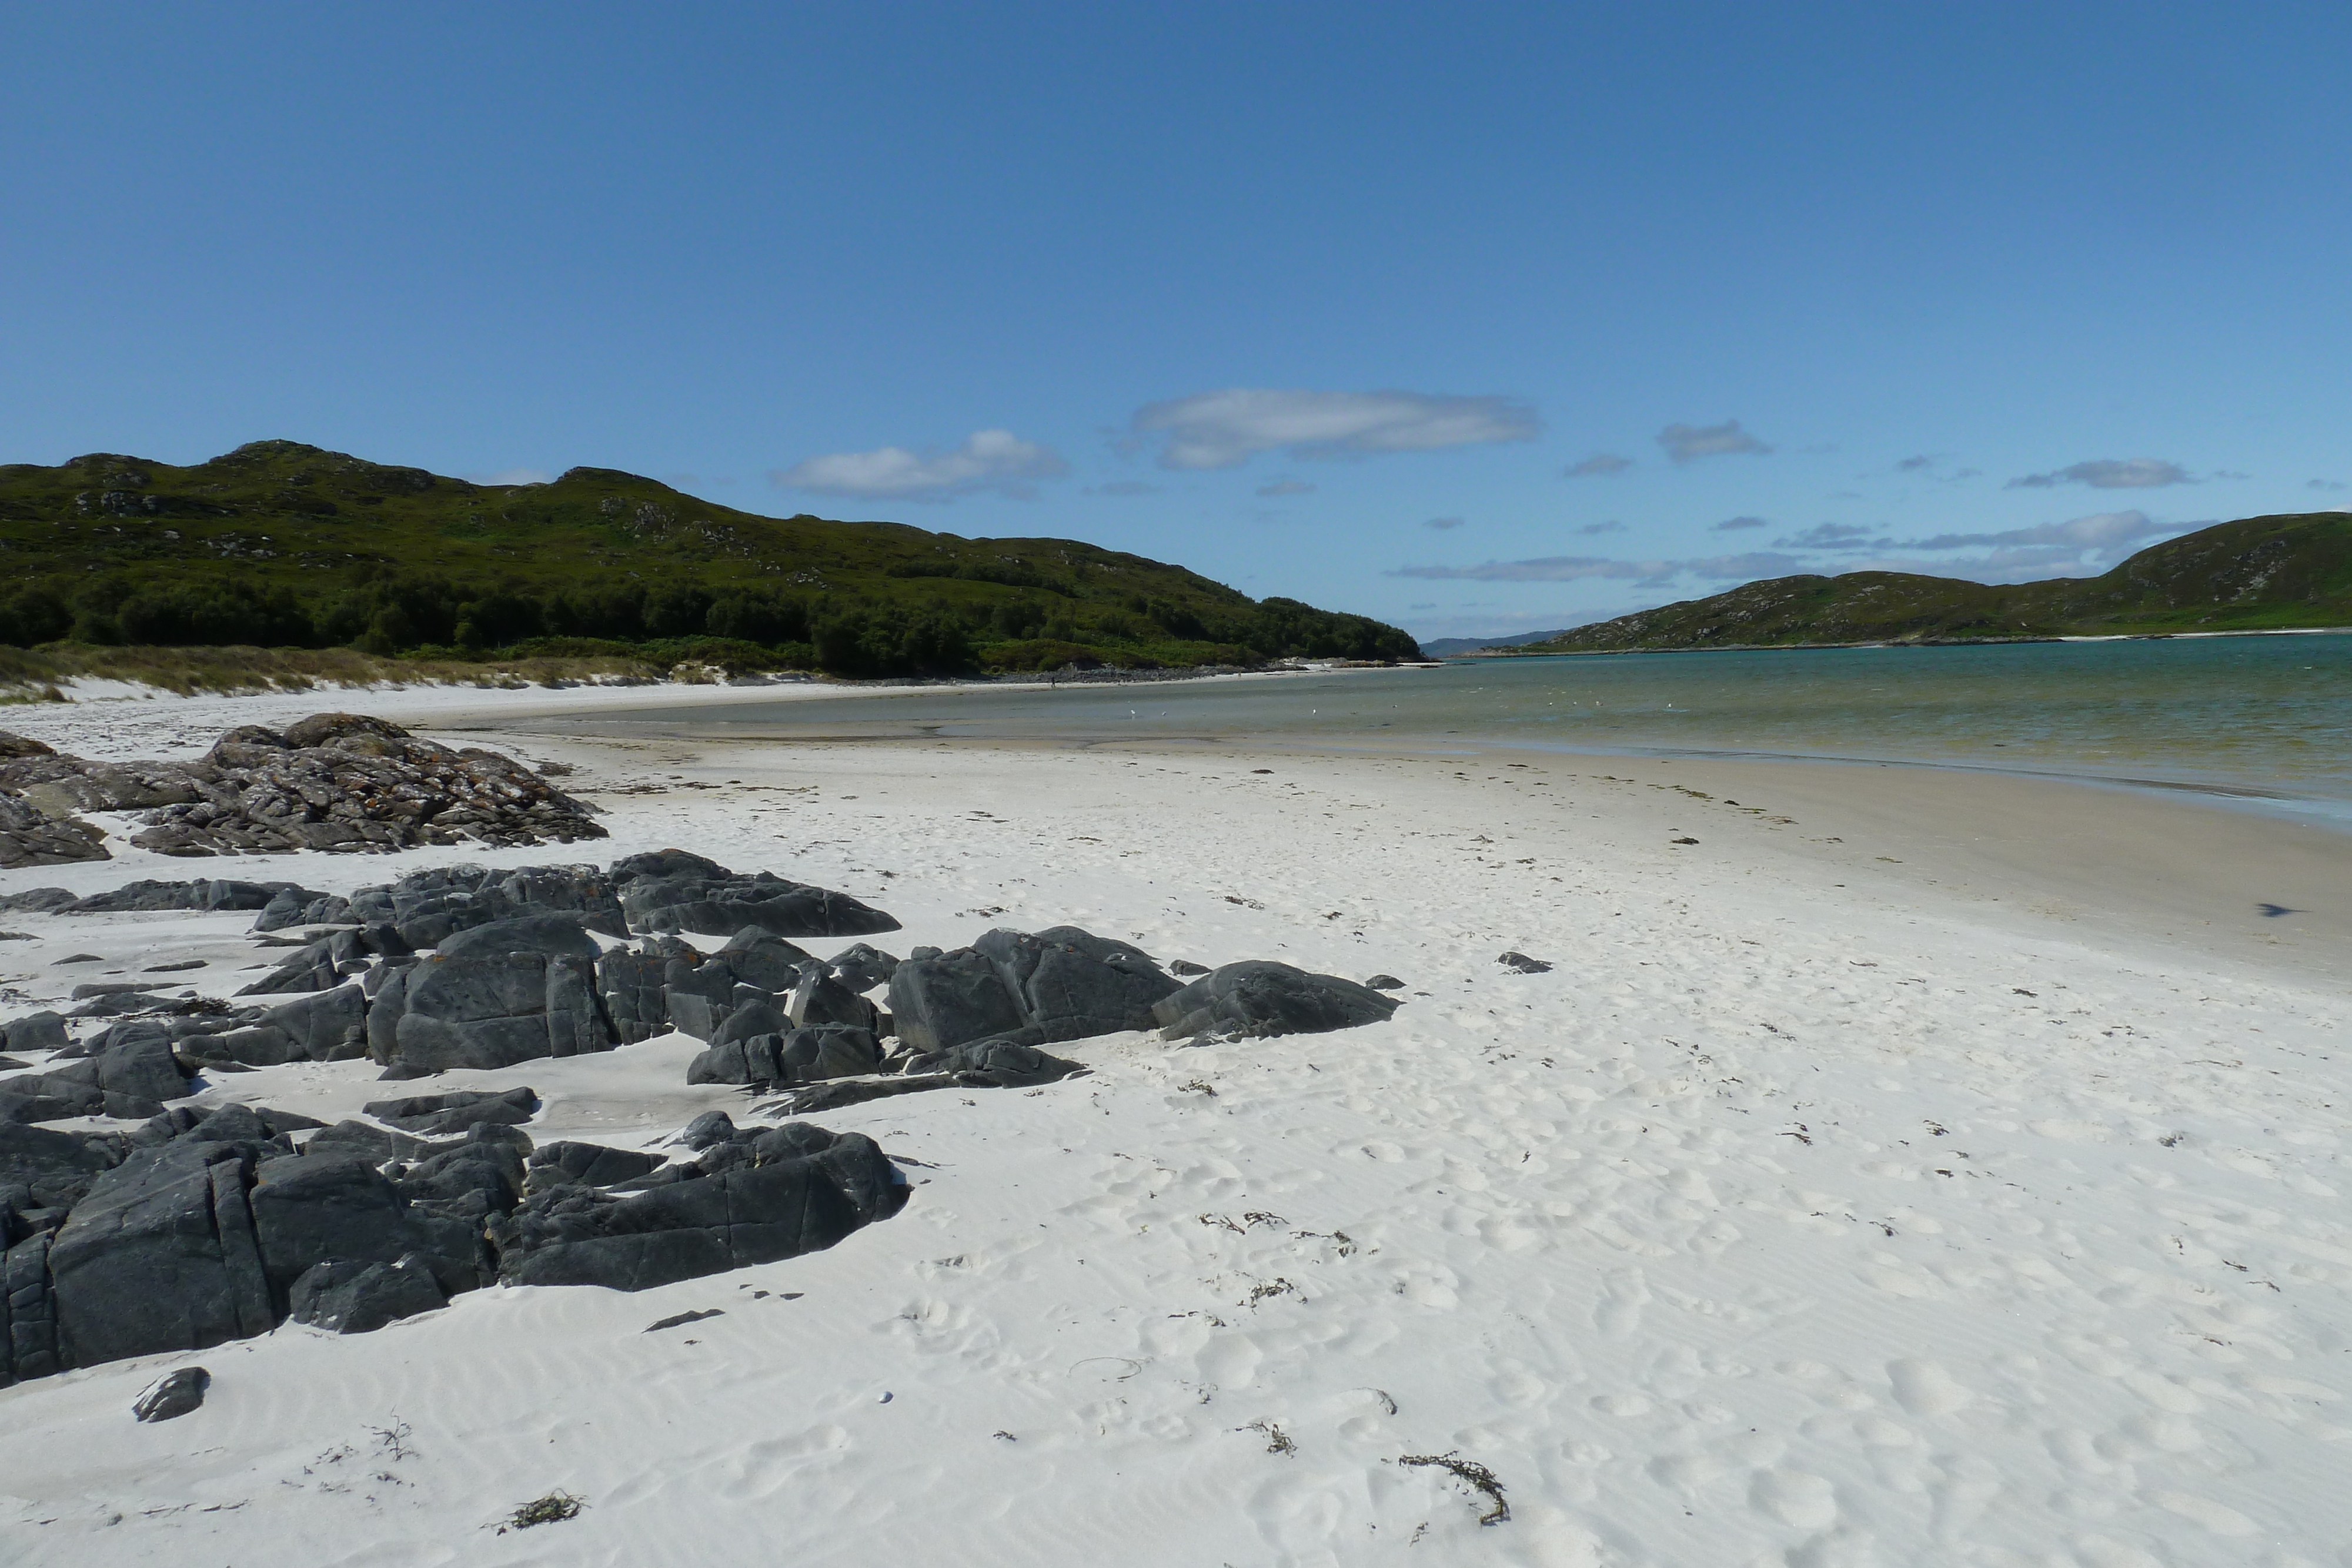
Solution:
(1920, 1170)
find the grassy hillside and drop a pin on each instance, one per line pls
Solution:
(2256, 574)
(281, 545)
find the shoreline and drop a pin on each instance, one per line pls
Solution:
(1909, 642)
(2093, 861)
(2134, 860)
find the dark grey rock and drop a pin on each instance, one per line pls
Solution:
(1523, 964)
(37, 900)
(779, 1195)
(862, 967)
(204, 894)
(28, 1313)
(478, 1165)
(665, 863)
(710, 1127)
(724, 904)
(311, 1209)
(426, 907)
(553, 934)
(1186, 966)
(359, 1298)
(430, 1115)
(330, 1026)
(35, 1032)
(296, 906)
(132, 1074)
(54, 1169)
(1259, 1000)
(161, 1256)
(586, 1165)
(32, 836)
(947, 1001)
(679, 1320)
(364, 1141)
(995, 1064)
(491, 1011)
(1060, 983)
(629, 982)
(698, 993)
(754, 1016)
(312, 968)
(793, 1056)
(756, 957)
(1385, 983)
(335, 782)
(174, 1394)
(819, 998)
(114, 988)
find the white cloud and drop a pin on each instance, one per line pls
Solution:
(2100, 530)
(2110, 474)
(1733, 525)
(988, 460)
(1689, 442)
(1287, 487)
(1832, 536)
(1225, 429)
(513, 477)
(1597, 464)
(1583, 567)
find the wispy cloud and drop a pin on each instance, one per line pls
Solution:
(2110, 474)
(1610, 528)
(2323, 484)
(1287, 487)
(1443, 524)
(1832, 537)
(987, 460)
(1734, 525)
(1913, 464)
(527, 476)
(1122, 488)
(2100, 530)
(1225, 429)
(1689, 442)
(1599, 464)
(1583, 567)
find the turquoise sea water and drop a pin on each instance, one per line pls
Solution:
(2267, 719)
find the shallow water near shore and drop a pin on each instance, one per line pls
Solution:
(2264, 721)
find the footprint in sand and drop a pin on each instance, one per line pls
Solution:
(1623, 1296)
(761, 1469)
(1794, 1498)
(1229, 1361)
(1924, 1389)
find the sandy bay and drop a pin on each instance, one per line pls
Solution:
(1981, 1202)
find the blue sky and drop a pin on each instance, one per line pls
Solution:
(1475, 318)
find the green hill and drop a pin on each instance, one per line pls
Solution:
(2257, 574)
(281, 545)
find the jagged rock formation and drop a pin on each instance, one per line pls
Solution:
(200, 1228)
(334, 781)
